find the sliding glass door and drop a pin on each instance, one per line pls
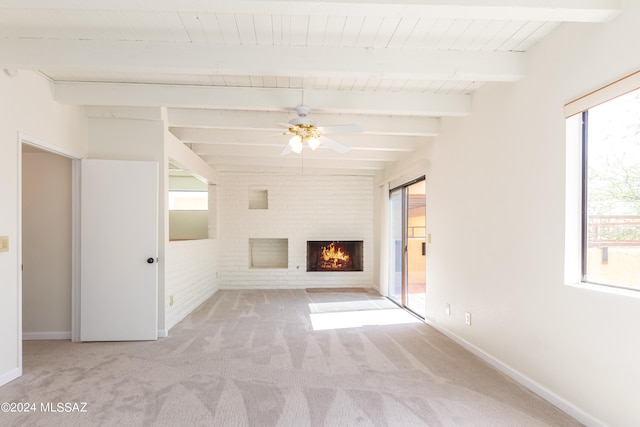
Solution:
(396, 239)
(407, 263)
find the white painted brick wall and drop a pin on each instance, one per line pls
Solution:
(213, 211)
(301, 208)
(190, 276)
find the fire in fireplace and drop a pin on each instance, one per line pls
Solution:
(335, 255)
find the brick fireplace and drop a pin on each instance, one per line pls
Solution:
(292, 211)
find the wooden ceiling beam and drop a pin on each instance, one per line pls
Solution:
(221, 163)
(533, 10)
(200, 139)
(212, 152)
(271, 121)
(257, 60)
(265, 99)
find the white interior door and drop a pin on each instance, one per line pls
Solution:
(119, 246)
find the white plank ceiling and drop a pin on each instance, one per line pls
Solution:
(229, 72)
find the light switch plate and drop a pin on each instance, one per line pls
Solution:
(4, 243)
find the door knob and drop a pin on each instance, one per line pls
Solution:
(150, 260)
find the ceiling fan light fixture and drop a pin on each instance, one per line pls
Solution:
(296, 144)
(303, 131)
(313, 143)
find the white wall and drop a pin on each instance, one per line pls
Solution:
(188, 225)
(191, 271)
(26, 106)
(301, 208)
(213, 212)
(46, 246)
(496, 211)
(192, 266)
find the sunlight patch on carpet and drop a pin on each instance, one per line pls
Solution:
(357, 319)
(366, 304)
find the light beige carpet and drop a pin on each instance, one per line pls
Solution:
(276, 358)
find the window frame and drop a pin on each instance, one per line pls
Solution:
(609, 93)
(584, 183)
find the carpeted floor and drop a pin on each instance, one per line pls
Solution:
(274, 358)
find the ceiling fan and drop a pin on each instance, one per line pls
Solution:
(303, 131)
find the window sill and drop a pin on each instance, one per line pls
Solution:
(606, 289)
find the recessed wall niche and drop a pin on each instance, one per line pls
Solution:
(268, 253)
(258, 198)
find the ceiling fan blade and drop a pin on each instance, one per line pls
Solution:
(340, 129)
(286, 150)
(334, 145)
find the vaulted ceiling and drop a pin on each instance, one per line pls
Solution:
(229, 73)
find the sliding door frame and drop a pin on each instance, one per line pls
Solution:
(404, 297)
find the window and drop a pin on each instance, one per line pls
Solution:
(610, 220)
(180, 200)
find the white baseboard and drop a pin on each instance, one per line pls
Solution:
(30, 336)
(559, 402)
(163, 333)
(10, 376)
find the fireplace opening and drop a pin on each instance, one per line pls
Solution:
(334, 255)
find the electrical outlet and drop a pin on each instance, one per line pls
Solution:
(467, 318)
(447, 309)
(4, 243)
(171, 300)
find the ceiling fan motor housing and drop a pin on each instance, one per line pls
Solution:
(303, 110)
(302, 119)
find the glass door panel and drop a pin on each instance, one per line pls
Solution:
(416, 248)
(396, 240)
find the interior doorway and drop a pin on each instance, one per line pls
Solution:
(407, 226)
(44, 238)
(46, 202)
